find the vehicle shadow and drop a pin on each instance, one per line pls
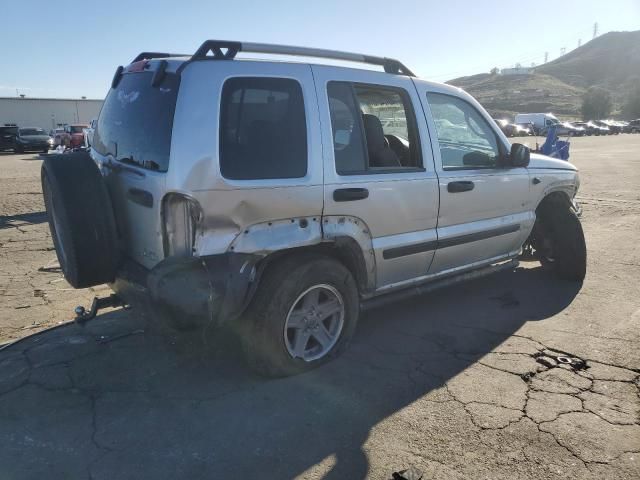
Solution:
(117, 403)
(31, 218)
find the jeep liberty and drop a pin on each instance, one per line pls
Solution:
(281, 196)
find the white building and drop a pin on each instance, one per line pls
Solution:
(47, 113)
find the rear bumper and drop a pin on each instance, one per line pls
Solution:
(214, 289)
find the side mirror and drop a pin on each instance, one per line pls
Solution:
(519, 155)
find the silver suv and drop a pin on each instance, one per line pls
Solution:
(280, 197)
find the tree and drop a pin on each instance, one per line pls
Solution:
(494, 71)
(596, 103)
(631, 107)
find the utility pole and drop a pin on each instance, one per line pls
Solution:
(546, 57)
(595, 30)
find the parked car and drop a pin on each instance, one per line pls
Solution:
(57, 134)
(88, 133)
(508, 128)
(614, 128)
(634, 126)
(572, 129)
(32, 139)
(8, 134)
(565, 129)
(76, 134)
(512, 129)
(591, 128)
(287, 205)
(626, 127)
(72, 136)
(524, 129)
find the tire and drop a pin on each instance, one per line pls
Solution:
(81, 219)
(562, 227)
(263, 335)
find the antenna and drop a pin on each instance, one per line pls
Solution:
(595, 30)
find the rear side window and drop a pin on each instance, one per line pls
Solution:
(263, 130)
(374, 129)
(136, 121)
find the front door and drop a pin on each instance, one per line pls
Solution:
(484, 210)
(378, 167)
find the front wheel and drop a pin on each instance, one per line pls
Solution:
(304, 314)
(560, 242)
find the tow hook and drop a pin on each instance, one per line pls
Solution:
(113, 300)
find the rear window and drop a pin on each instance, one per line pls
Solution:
(136, 121)
(263, 132)
(8, 130)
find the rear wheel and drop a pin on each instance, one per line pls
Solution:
(81, 219)
(304, 313)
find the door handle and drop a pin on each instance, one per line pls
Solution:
(350, 194)
(141, 197)
(462, 186)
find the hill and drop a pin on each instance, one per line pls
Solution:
(611, 61)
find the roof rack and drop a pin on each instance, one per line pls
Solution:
(227, 50)
(150, 55)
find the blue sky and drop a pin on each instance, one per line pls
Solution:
(71, 48)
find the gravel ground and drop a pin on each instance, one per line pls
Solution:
(462, 383)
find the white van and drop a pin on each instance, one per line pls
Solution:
(539, 120)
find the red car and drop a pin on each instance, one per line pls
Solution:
(73, 136)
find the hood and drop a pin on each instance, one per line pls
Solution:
(35, 138)
(542, 161)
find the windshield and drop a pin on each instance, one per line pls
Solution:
(136, 121)
(32, 131)
(76, 129)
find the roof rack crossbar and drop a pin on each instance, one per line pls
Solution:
(227, 50)
(151, 55)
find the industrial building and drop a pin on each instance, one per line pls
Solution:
(47, 113)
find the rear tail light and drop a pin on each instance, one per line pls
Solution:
(181, 217)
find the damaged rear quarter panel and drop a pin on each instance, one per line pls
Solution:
(273, 219)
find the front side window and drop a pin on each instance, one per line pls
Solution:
(466, 139)
(263, 130)
(373, 128)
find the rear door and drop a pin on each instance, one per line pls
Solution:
(484, 213)
(132, 143)
(378, 167)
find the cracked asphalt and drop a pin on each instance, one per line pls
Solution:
(514, 376)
